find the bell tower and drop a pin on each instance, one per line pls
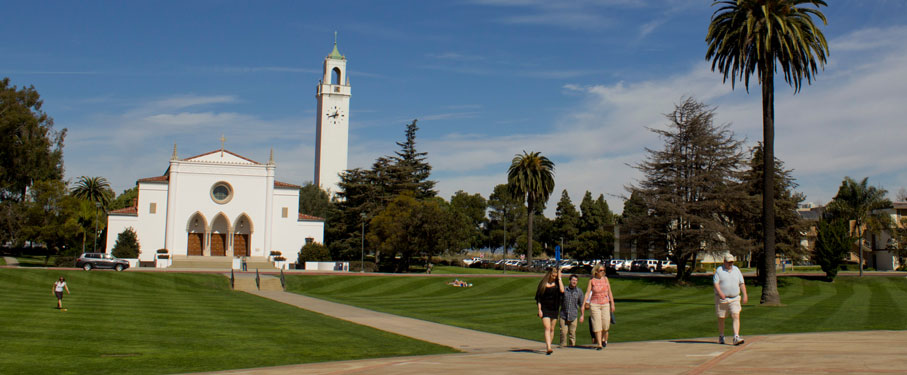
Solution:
(332, 121)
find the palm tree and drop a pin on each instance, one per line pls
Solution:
(93, 189)
(758, 36)
(531, 178)
(856, 201)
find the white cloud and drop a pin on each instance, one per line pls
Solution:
(849, 122)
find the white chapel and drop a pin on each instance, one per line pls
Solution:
(223, 205)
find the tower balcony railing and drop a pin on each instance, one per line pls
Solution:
(333, 89)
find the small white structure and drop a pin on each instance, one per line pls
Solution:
(217, 204)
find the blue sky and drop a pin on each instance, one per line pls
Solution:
(578, 81)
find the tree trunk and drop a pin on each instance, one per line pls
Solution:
(770, 294)
(860, 244)
(531, 206)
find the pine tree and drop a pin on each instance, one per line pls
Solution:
(411, 170)
(688, 187)
(566, 222)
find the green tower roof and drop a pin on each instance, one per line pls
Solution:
(335, 54)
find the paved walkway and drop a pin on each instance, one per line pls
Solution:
(12, 262)
(463, 339)
(865, 352)
(870, 352)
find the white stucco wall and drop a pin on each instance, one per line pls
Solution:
(150, 227)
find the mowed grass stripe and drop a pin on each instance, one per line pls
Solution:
(647, 309)
(168, 323)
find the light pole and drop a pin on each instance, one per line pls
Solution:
(98, 208)
(362, 262)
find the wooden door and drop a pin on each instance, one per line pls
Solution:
(195, 244)
(240, 245)
(218, 244)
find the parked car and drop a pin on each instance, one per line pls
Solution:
(667, 266)
(469, 261)
(616, 264)
(87, 261)
(644, 265)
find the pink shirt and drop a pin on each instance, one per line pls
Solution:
(601, 289)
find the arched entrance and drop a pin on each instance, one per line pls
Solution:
(241, 236)
(195, 229)
(219, 229)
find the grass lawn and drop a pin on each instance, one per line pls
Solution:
(154, 323)
(647, 308)
(2, 261)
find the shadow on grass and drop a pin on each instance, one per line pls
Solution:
(640, 300)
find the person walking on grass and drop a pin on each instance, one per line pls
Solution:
(572, 304)
(601, 301)
(729, 288)
(59, 287)
(548, 298)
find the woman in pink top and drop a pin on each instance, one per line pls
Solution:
(601, 301)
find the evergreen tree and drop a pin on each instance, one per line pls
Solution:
(566, 222)
(688, 186)
(748, 211)
(127, 245)
(411, 170)
(833, 243)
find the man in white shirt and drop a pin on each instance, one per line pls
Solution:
(729, 287)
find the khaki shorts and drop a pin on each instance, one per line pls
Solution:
(601, 317)
(723, 306)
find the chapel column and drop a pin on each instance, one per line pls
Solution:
(269, 204)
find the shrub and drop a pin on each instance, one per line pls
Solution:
(314, 252)
(127, 245)
(65, 261)
(162, 251)
(356, 266)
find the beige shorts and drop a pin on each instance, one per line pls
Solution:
(723, 306)
(601, 317)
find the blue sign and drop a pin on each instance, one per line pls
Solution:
(557, 253)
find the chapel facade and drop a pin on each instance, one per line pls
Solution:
(223, 205)
(217, 204)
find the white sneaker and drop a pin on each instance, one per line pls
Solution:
(721, 340)
(738, 340)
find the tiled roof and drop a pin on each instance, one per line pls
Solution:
(286, 185)
(310, 218)
(227, 151)
(125, 211)
(155, 179)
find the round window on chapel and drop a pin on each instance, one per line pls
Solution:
(221, 192)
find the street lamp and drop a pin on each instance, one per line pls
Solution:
(362, 263)
(98, 205)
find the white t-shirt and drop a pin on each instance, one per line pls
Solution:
(59, 285)
(728, 280)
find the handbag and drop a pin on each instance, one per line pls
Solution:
(587, 306)
(612, 318)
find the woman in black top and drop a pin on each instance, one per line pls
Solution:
(548, 298)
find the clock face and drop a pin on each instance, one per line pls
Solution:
(335, 115)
